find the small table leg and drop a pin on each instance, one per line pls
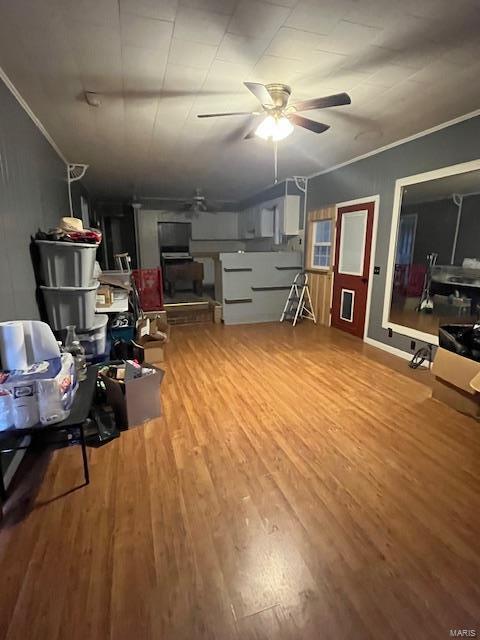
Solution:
(86, 472)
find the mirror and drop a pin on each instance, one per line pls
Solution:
(436, 271)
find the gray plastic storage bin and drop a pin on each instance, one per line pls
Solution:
(71, 305)
(67, 264)
(94, 341)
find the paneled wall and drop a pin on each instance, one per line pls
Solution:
(320, 281)
(33, 195)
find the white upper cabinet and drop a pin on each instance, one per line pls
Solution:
(287, 215)
(247, 223)
(291, 216)
(264, 226)
(255, 222)
(222, 225)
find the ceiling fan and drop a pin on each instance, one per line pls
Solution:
(280, 115)
(198, 204)
(194, 206)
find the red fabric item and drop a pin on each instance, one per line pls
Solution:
(408, 280)
(400, 279)
(416, 277)
(150, 288)
(87, 235)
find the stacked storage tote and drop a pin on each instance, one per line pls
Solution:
(70, 289)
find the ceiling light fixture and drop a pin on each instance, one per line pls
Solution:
(274, 128)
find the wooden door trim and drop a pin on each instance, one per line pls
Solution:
(321, 287)
(373, 249)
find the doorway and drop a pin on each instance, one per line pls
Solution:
(352, 267)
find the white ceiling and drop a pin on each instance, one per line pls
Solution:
(407, 64)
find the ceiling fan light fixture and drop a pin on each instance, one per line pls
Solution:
(275, 129)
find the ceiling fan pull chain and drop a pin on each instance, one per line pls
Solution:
(275, 160)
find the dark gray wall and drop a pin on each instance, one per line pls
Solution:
(79, 190)
(376, 175)
(33, 194)
(436, 224)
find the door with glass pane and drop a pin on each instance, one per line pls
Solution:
(352, 267)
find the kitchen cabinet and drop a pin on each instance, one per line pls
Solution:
(289, 215)
(259, 221)
(247, 223)
(215, 226)
(264, 223)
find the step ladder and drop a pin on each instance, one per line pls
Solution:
(299, 302)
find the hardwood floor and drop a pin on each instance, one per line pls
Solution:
(298, 486)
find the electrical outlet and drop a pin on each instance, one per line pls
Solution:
(390, 333)
(413, 344)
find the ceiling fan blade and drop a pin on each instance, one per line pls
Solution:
(221, 115)
(260, 91)
(337, 100)
(306, 123)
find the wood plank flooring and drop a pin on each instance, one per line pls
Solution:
(298, 486)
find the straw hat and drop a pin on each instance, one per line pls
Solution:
(71, 224)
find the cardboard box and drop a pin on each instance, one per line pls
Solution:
(135, 400)
(104, 296)
(160, 315)
(119, 279)
(152, 337)
(457, 382)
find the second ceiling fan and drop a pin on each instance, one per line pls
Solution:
(280, 115)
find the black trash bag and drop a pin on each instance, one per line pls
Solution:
(463, 339)
(474, 342)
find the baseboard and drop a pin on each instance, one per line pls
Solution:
(389, 349)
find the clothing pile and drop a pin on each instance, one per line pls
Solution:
(71, 230)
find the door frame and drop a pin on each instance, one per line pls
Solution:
(373, 249)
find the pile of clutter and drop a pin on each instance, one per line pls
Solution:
(114, 287)
(70, 230)
(132, 391)
(128, 370)
(153, 333)
(37, 381)
(67, 267)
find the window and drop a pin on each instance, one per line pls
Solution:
(322, 244)
(352, 243)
